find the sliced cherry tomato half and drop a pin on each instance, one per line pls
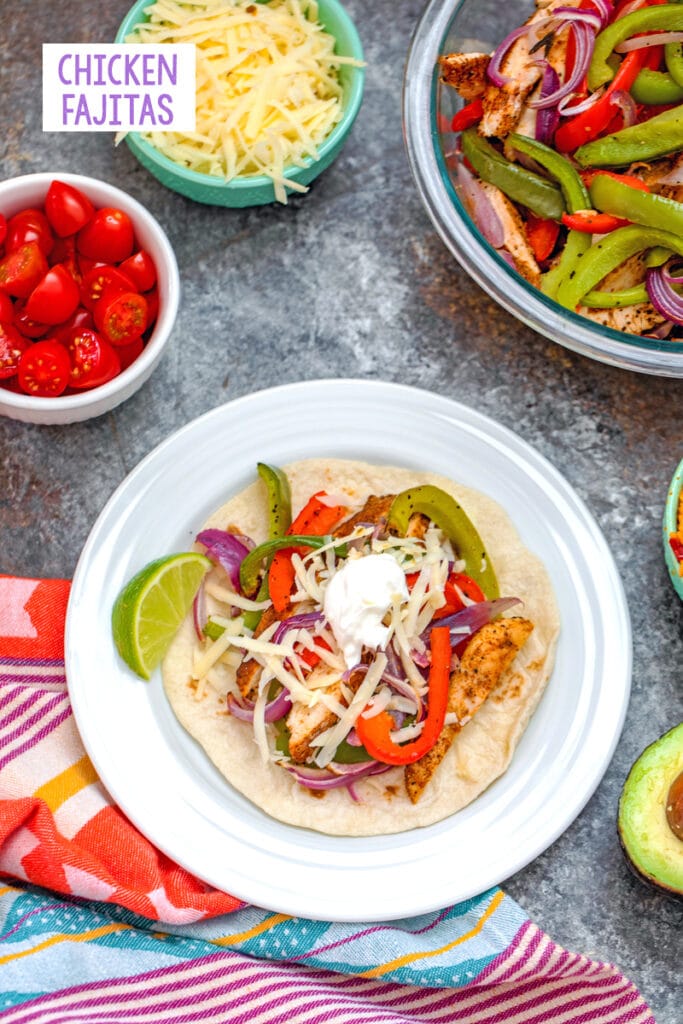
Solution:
(29, 225)
(44, 369)
(12, 345)
(6, 308)
(152, 300)
(81, 318)
(129, 353)
(122, 318)
(67, 208)
(3, 228)
(108, 236)
(141, 270)
(54, 298)
(93, 360)
(104, 278)
(26, 326)
(21, 270)
(64, 251)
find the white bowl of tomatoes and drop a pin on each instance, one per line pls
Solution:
(89, 293)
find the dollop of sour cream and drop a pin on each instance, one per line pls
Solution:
(356, 600)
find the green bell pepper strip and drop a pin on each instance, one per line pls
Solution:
(279, 519)
(576, 198)
(661, 135)
(279, 499)
(251, 565)
(616, 300)
(445, 512)
(573, 189)
(538, 194)
(610, 252)
(673, 58)
(663, 18)
(646, 208)
(656, 88)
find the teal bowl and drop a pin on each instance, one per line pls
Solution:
(670, 525)
(257, 189)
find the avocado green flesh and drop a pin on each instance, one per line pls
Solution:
(652, 848)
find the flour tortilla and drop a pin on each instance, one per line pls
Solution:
(482, 750)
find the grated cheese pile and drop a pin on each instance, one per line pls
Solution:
(268, 89)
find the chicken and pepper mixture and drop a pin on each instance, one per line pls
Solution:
(569, 157)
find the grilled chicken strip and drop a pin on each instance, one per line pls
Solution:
(639, 319)
(515, 237)
(466, 73)
(487, 657)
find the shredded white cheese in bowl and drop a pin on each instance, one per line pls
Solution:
(278, 85)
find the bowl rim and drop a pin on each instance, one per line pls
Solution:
(670, 522)
(257, 181)
(476, 256)
(63, 404)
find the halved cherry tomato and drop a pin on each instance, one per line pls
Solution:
(54, 298)
(122, 318)
(67, 208)
(129, 353)
(141, 270)
(93, 360)
(104, 278)
(12, 345)
(29, 225)
(26, 326)
(22, 269)
(64, 251)
(81, 318)
(6, 308)
(152, 299)
(3, 228)
(108, 236)
(44, 369)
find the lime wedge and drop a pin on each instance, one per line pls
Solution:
(150, 608)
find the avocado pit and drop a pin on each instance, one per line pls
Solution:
(674, 806)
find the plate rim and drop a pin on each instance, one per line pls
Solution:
(292, 902)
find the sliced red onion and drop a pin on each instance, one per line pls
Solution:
(566, 109)
(473, 617)
(627, 105)
(605, 9)
(668, 267)
(584, 40)
(226, 549)
(199, 611)
(493, 70)
(661, 332)
(303, 621)
(483, 214)
(663, 297)
(342, 775)
(653, 39)
(273, 711)
(547, 117)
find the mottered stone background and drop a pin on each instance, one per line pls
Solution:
(352, 280)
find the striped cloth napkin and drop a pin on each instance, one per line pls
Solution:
(97, 926)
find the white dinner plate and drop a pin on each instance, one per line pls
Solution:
(163, 780)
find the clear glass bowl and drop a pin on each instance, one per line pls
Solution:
(428, 107)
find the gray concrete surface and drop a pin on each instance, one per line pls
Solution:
(351, 280)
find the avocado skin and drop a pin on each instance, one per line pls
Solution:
(652, 851)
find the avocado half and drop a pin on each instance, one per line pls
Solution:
(650, 819)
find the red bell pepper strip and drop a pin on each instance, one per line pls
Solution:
(315, 520)
(592, 222)
(589, 176)
(375, 733)
(468, 115)
(593, 122)
(541, 233)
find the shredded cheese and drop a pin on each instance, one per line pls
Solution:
(267, 85)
